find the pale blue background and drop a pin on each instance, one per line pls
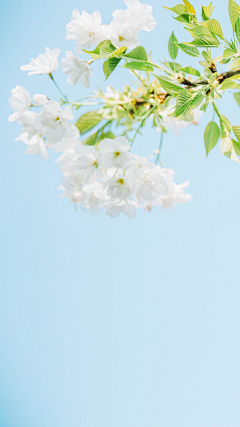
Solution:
(115, 323)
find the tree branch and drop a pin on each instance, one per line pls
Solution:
(221, 77)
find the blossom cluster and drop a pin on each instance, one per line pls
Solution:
(106, 176)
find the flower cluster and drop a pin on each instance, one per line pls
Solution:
(110, 177)
(87, 30)
(96, 177)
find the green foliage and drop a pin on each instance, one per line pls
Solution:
(237, 29)
(236, 146)
(234, 12)
(207, 11)
(225, 126)
(189, 7)
(214, 26)
(139, 54)
(189, 50)
(139, 66)
(204, 41)
(237, 97)
(172, 46)
(180, 9)
(211, 136)
(88, 121)
(168, 86)
(236, 131)
(97, 137)
(109, 66)
(183, 109)
(190, 70)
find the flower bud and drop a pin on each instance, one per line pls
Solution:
(40, 99)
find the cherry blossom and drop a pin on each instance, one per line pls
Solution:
(45, 63)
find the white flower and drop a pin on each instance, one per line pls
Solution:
(30, 136)
(84, 29)
(72, 185)
(118, 187)
(87, 161)
(54, 124)
(176, 195)
(44, 63)
(127, 207)
(36, 145)
(137, 16)
(115, 153)
(40, 99)
(123, 35)
(19, 101)
(66, 161)
(78, 69)
(149, 182)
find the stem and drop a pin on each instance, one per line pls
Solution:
(52, 78)
(159, 149)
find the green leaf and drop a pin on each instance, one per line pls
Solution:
(236, 147)
(229, 84)
(225, 126)
(172, 47)
(189, 7)
(197, 100)
(172, 66)
(234, 12)
(180, 9)
(183, 102)
(190, 70)
(118, 52)
(183, 18)
(237, 29)
(211, 136)
(168, 86)
(228, 53)
(97, 137)
(187, 115)
(236, 131)
(88, 121)
(110, 65)
(189, 50)
(207, 11)
(204, 41)
(138, 66)
(199, 31)
(103, 50)
(237, 97)
(214, 26)
(139, 53)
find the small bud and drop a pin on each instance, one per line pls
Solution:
(215, 84)
(40, 99)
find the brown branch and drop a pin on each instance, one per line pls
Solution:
(221, 77)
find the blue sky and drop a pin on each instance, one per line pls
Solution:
(115, 322)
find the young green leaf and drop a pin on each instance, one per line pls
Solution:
(204, 41)
(237, 29)
(192, 51)
(229, 84)
(104, 49)
(168, 86)
(190, 70)
(110, 65)
(234, 12)
(187, 115)
(139, 53)
(172, 47)
(180, 9)
(189, 7)
(88, 121)
(207, 11)
(138, 66)
(236, 131)
(214, 26)
(183, 18)
(197, 100)
(118, 52)
(236, 146)
(183, 102)
(211, 136)
(237, 97)
(97, 137)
